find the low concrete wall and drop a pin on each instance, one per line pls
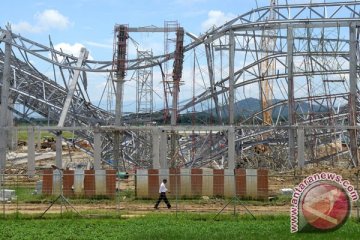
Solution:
(80, 183)
(244, 183)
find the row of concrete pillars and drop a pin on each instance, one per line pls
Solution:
(159, 143)
(159, 149)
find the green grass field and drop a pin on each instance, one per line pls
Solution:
(23, 135)
(163, 226)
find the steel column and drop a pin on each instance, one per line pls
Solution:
(210, 63)
(291, 100)
(5, 89)
(120, 54)
(353, 93)
(71, 89)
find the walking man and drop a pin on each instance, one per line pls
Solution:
(162, 196)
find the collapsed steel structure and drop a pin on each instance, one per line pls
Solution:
(265, 74)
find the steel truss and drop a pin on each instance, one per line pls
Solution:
(311, 68)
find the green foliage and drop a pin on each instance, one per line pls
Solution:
(127, 194)
(27, 195)
(162, 226)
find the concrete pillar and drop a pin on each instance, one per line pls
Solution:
(251, 182)
(58, 157)
(116, 150)
(231, 148)
(185, 182)
(229, 183)
(156, 148)
(301, 148)
(163, 149)
(39, 140)
(12, 134)
(100, 182)
(97, 150)
(31, 152)
(231, 77)
(142, 183)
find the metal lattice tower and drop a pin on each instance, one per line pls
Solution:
(144, 85)
(169, 47)
(268, 67)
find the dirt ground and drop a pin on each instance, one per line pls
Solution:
(146, 208)
(142, 208)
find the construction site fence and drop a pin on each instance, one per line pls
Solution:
(20, 194)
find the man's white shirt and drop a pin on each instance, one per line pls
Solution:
(162, 188)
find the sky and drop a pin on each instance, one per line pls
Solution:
(90, 23)
(72, 23)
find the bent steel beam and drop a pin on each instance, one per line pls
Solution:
(71, 89)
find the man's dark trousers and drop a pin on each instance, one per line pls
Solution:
(162, 197)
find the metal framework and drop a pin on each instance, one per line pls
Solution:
(144, 87)
(301, 59)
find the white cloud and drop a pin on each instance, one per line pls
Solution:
(25, 27)
(52, 19)
(216, 18)
(44, 21)
(69, 49)
(72, 49)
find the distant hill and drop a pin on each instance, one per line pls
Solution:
(249, 106)
(244, 109)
